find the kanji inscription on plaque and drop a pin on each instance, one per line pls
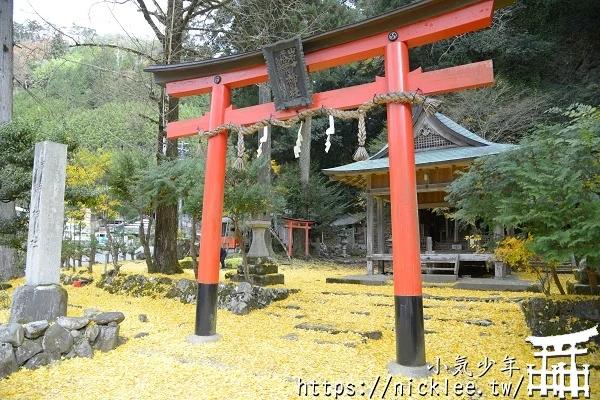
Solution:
(288, 74)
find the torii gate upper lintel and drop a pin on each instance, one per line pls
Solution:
(417, 24)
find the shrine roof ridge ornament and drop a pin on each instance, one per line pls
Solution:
(407, 15)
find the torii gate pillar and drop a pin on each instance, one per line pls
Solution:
(408, 298)
(212, 211)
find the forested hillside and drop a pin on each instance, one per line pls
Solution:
(101, 97)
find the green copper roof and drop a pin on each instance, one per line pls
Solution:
(380, 161)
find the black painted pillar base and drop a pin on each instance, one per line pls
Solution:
(410, 338)
(206, 309)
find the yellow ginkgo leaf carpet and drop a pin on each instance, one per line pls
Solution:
(276, 352)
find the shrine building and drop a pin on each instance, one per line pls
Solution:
(442, 148)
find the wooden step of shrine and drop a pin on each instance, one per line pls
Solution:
(432, 258)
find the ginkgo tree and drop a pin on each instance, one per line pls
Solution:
(549, 187)
(87, 188)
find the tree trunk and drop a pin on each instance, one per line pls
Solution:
(145, 245)
(93, 250)
(264, 175)
(114, 251)
(79, 248)
(93, 242)
(193, 250)
(8, 256)
(305, 157)
(165, 239)
(240, 239)
(593, 281)
(556, 280)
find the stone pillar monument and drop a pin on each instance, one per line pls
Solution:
(42, 297)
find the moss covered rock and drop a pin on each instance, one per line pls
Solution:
(549, 317)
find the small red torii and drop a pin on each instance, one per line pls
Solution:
(390, 36)
(292, 223)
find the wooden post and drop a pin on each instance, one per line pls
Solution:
(499, 268)
(447, 228)
(306, 253)
(455, 231)
(380, 239)
(369, 227)
(290, 237)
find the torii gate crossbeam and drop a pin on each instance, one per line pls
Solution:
(417, 24)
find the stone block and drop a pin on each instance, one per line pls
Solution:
(258, 247)
(8, 361)
(263, 269)
(72, 323)
(549, 317)
(28, 349)
(108, 317)
(108, 339)
(57, 340)
(91, 312)
(12, 333)
(39, 360)
(579, 288)
(91, 332)
(37, 303)
(35, 329)
(83, 349)
(260, 280)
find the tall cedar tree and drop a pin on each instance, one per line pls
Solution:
(175, 21)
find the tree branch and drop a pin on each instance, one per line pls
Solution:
(154, 121)
(148, 18)
(206, 30)
(190, 10)
(160, 18)
(114, 46)
(211, 7)
(159, 10)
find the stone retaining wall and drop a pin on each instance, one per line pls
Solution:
(238, 298)
(550, 317)
(39, 343)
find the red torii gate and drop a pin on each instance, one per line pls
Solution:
(390, 35)
(290, 224)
